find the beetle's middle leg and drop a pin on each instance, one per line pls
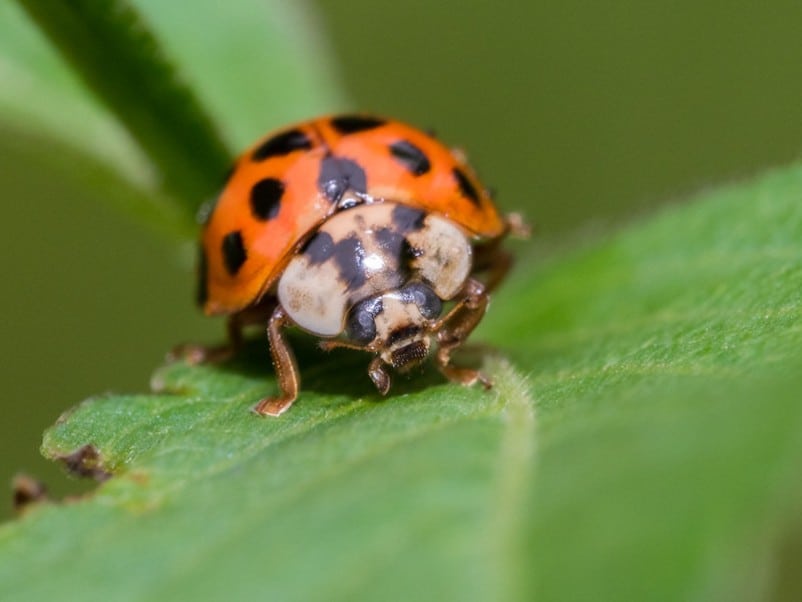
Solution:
(455, 327)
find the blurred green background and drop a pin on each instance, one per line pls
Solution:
(582, 114)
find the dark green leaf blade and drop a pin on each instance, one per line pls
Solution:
(116, 55)
(650, 453)
(254, 65)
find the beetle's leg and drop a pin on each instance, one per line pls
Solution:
(379, 375)
(455, 327)
(377, 370)
(516, 226)
(495, 261)
(284, 365)
(336, 344)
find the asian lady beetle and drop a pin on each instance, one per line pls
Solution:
(358, 230)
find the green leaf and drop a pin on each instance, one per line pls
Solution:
(39, 91)
(643, 443)
(22, 148)
(109, 46)
(257, 64)
(170, 141)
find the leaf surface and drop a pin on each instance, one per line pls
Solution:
(642, 442)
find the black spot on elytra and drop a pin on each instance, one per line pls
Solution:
(234, 254)
(465, 186)
(411, 157)
(351, 124)
(282, 144)
(202, 292)
(350, 257)
(319, 248)
(406, 219)
(266, 198)
(337, 175)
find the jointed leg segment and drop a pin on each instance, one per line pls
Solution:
(455, 327)
(284, 365)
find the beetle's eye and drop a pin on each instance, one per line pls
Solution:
(360, 326)
(424, 297)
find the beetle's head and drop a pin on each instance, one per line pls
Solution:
(396, 324)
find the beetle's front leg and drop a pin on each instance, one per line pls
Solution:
(285, 366)
(378, 374)
(455, 327)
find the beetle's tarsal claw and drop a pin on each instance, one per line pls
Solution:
(379, 375)
(272, 406)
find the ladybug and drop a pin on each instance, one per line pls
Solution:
(364, 232)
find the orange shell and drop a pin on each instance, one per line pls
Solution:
(243, 253)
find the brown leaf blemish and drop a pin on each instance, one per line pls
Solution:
(27, 491)
(85, 462)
